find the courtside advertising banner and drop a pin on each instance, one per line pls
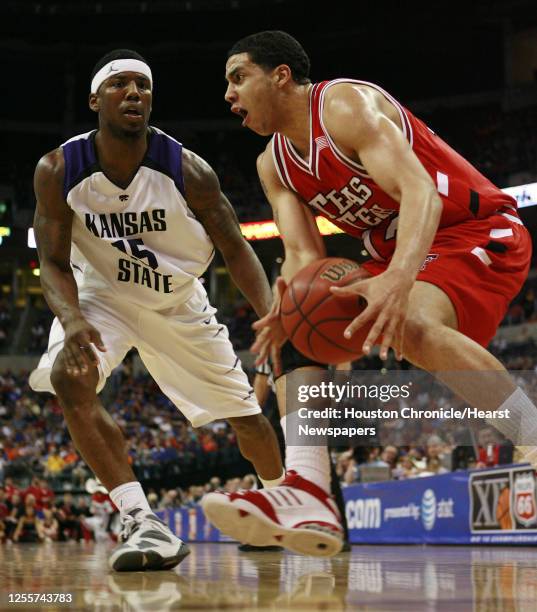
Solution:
(490, 506)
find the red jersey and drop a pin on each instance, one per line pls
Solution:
(341, 190)
(11, 490)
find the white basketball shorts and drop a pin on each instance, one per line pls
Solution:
(185, 349)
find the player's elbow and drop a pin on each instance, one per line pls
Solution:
(423, 190)
(50, 266)
(436, 205)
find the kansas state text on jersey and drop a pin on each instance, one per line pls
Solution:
(142, 242)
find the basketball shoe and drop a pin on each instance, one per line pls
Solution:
(146, 544)
(297, 515)
(160, 592)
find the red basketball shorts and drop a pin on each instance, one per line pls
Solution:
(480, 264)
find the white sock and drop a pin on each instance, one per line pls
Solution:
(268, 484)
(129, 496)
(521, 426)
(311, 462)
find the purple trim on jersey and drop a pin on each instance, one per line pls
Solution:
(80, 161)
(166, 155)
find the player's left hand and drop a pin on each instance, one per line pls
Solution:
(270, 335)
(387, 304)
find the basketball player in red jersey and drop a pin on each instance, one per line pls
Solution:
(448, 250)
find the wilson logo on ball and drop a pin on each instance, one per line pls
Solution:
(338, 271)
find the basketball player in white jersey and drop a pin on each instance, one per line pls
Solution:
(126, 223)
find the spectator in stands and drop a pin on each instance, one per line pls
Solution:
(39, 337)
(68, 519)
(215, 484)
(102, 509)
(418, 459)
(70, 457)
(435, 448)
(343, 462)
(169, 500)
(29, 527)
(193, 496)
(208, 443)
(232, 485)
(41, 491)
(17, 498)
(33, 490)
(54, 463)
(389, 456)
(50, 526)
(492, 449)
(372, 459)
(152, 498)
(405, 467)
(82, 508)
(4, 510)
(15, 510)
(249, 482)
(9, 490)
(13, 493)
(433, 466)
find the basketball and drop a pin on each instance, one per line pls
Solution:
(503, 509)
(315, 319)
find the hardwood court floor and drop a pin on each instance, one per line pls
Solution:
(217, 576)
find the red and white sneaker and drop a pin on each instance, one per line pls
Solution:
(297, 515)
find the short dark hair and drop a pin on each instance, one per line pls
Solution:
(116, 54)
(273, 47)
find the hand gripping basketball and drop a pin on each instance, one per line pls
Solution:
(270, 335)
(315, 319)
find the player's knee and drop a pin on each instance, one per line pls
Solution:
(249, 426)
(420, 333)
(72, 390)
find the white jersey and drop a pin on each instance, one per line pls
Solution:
(142, 243)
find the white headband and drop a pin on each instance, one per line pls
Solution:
(120, 65)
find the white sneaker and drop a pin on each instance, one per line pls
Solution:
(148, 591)
(146, 544)
(297, 515)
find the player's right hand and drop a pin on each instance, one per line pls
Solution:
(78, 351)
(270, 335)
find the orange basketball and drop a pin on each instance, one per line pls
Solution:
(315, 319)
(503, 509)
